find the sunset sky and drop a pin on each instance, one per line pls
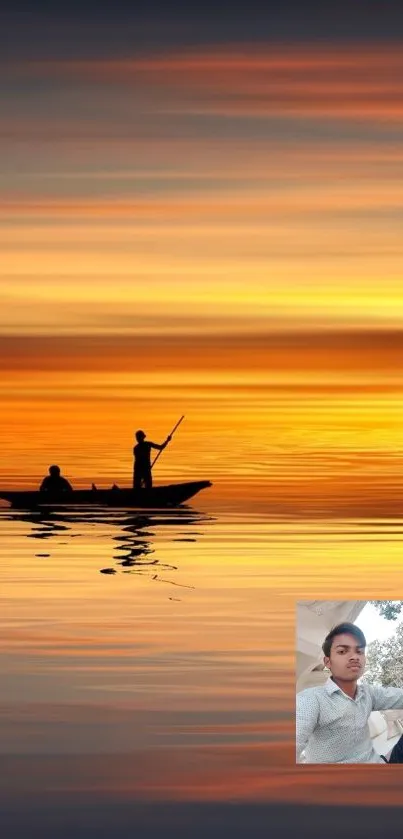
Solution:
(200, 215)
(194, 203)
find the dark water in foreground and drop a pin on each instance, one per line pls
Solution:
(149, 658)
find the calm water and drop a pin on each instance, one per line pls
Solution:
(151, 655)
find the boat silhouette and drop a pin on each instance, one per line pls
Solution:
(168, 495)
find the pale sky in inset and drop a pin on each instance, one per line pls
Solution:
(375, 627)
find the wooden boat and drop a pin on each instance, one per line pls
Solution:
(169, 495)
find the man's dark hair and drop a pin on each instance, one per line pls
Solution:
(343, 629)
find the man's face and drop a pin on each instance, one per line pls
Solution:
(347, 658)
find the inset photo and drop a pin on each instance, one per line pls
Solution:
(349, 681)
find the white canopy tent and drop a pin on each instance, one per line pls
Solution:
(315, 618)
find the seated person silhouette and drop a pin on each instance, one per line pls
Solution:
(54, 482)
(142, 460)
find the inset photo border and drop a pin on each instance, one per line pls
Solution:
(349, 681)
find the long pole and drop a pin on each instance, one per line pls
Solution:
(169, 435)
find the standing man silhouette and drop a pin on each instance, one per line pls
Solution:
(142, 460)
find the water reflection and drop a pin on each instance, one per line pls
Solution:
(134, 542)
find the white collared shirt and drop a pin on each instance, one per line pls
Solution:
(333, 728)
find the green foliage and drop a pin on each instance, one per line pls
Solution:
(385, 661)
(389, 609)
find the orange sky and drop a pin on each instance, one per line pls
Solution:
(213, 232)
(195, 221)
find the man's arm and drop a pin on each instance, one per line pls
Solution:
(384, 699)
(307, 717)
(162, 446)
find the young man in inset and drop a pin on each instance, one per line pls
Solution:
(332, 720)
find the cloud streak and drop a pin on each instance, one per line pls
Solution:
(353, 82)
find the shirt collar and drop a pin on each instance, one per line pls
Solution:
(331, 687)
